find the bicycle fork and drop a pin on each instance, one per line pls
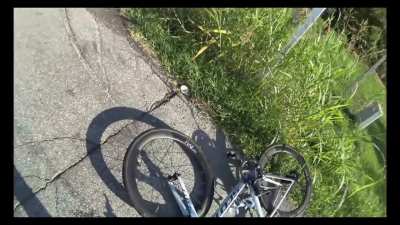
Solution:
(185, 204)
(256, 201)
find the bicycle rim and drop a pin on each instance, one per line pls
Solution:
(151, 158)
(282, 160)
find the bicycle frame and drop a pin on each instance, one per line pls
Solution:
(188, 210)
(185, 205)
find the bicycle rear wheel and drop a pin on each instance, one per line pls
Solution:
(284, 161)
(155, 154)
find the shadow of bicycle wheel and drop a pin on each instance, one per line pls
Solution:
(94, 134)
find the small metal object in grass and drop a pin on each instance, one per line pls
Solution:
(369, 114)
(184, 90)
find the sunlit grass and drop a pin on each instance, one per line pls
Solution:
(223, 56)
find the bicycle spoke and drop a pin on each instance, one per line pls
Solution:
(151, 167)
(152, 193)
(183, 165)
(152, 151)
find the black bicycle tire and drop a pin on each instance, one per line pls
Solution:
(288, 149)
(129, 163)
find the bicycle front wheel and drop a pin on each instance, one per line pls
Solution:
(284, 161)
(155, 154)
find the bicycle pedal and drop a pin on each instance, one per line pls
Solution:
(231, 154)
(173, 177)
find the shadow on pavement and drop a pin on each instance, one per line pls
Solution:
(23, 192)
(110, 211)
(93, 140)
(215, 152)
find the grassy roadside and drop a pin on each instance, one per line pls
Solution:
(365, 29)
(219, 54)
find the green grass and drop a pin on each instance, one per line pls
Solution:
(365, 29)
(219, 54)
(371, 89)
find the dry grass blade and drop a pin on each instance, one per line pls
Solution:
(202, 49)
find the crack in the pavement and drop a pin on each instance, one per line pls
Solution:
(38, 177)
(49, 140)
(60, 173)
(73, 41)
(55, 177)
(168, 96)
(83, 60)
(47, 181)
(148, 56)
(99, 48)
(56, 198)
(155, 66)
